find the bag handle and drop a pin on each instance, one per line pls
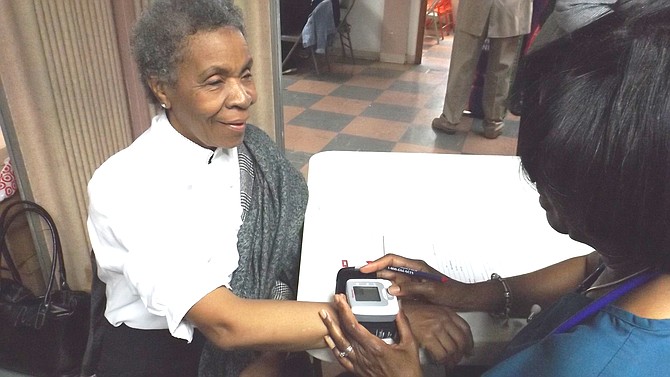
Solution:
(6, 221)
(44, 214)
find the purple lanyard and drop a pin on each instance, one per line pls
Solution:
(603, 301)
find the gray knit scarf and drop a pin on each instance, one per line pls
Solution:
(269, 240)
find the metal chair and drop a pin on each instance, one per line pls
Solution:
(311, 36)
(439, 15)
(344, 30)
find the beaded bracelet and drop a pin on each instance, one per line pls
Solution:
(508, 297)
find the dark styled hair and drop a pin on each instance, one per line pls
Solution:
(595, 129)
(162, 30)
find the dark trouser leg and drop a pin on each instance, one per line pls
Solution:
(128, 352)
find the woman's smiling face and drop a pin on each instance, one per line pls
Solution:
(209, 103)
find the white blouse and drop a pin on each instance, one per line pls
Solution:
(163, 219)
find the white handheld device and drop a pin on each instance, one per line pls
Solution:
(373, 306)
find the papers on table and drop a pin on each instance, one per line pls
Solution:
(449, 262)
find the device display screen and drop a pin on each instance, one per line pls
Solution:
(367, 294)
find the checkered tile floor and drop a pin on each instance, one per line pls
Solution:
(373, 106)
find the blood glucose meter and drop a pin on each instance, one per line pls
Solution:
(373, 306)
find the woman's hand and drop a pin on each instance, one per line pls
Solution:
(444, 335)
(362, 353)
(451, 293)
(397, 261)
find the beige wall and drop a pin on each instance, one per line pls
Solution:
(385, 30)
(261, 18)
(394, 31)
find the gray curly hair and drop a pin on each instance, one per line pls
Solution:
(162, 30)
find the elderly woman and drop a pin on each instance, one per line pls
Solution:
(595, 140)
(200, 214)
(196, 226)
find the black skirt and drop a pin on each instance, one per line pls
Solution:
(128, 352)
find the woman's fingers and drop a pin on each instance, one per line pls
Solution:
(344, 361)
(444, 334)
(364, 354)
(336, 333)
(415, 289)
(351, 327)
(465, 339)
(398, 261)
(359, 336)
(404, 330)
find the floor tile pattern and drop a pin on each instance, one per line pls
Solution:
(374, 106)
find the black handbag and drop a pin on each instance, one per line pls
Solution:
(40, 335)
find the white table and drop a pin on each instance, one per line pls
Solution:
(471, 209)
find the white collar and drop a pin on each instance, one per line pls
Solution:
(178, 146)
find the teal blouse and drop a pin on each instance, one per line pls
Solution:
(613, 343)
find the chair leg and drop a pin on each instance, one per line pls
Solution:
(316, 64)
(434, 23)
(345, 43)
(290, 53)
(327, 55)
(442, 24)
(351, 49)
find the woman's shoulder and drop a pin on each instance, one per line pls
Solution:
(639, 344)
(124, 159)
(127, 167)
(613, 333)
(613, 343)
(625, 319)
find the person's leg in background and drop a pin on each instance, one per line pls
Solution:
(503, 56)
(464, 56)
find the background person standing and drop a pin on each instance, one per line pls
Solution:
(504, 22)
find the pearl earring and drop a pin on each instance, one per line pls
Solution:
(163, 106)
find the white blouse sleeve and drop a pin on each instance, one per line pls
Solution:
(162, 251)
